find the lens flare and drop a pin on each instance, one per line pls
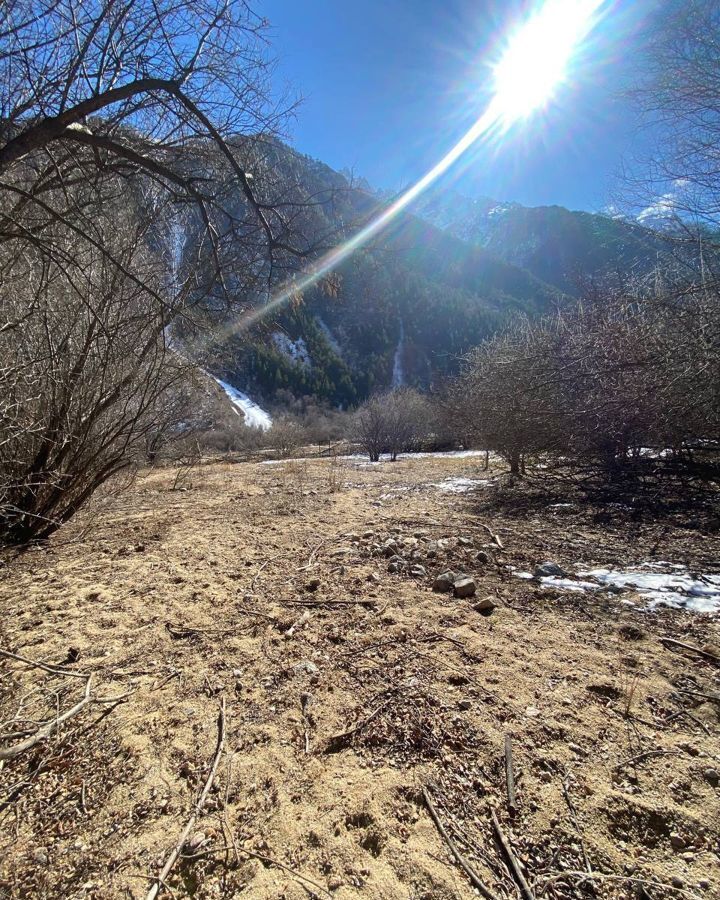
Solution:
(534, 63)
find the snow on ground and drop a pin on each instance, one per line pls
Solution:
(255, 417)
(459, 485)
(678, 588)
(295, 350)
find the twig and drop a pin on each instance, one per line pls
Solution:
(262, 567)
(56, 670)
(172, 858)
(512, 860)
(339, 741)
(462, 862)
(704, 653)
(714, 697)
(628, 879)
(648, 754)
(211, 851)
(328, 602)
(573, 816)
(509, 775)
(42, 733)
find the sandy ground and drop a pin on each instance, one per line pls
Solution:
(353, 694)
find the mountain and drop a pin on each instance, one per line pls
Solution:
(407, 306)
(559, 246)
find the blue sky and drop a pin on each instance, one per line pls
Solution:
(389, 85)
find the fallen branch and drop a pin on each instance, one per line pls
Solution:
(512, 860)
(648, 754)
(328, 602)
(46, 730)
(573, 816)
(339, 741)
(509, 775)
(704, 653)
(55, 670)
(462, 862)
(172, 858)
(715, 698)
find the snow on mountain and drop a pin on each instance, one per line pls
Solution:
(295, 350)
(255, 417)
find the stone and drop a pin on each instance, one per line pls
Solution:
(484, 558)
(549, 570)
(195, 841)
(677, 841)
(677, 882)
(418, 571)
(485, 605)
(390, 548)
(312, 584)
(465, 587)
(712, 776)
(374, 578)
(305, 667)
(444, 583)
(465, 542)
(465, 704)
(396, 564)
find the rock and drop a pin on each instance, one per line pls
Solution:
(443, 544)
(677, 842)
(390, 548)
(549, 570)
(374, 578)
(396, 564)
(712, 776)
(677, 882)
(444, 583)
(465, 704)
(352, 537)
(195, 841)
(312, 584)
(418, 571)
(465, 587)
(532, 711)
(485, 605)
(40, 856)
(484, 558)
(465, 542)
(305, 667)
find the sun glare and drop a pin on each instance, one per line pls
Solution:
(537, 56)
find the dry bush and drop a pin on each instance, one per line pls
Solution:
(629, 385)
(396, 422)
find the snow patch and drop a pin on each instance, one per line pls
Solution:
(295, 350)
(678, 588)
(459, 485)
(255, 417)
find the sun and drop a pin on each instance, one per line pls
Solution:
(537, 56)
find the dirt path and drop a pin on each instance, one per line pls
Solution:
(349, 690)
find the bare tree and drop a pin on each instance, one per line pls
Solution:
(394, 422)
(139, 182)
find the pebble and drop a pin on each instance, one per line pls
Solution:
(305, 666)
(677, 841)
(484, 558)
(676, 881)
(465, 704)
(712, 776)
(418, 571)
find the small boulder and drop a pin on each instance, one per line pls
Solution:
(712, 776)
(465, 587)
(549, 570)
(444, 583)
(486, 605)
